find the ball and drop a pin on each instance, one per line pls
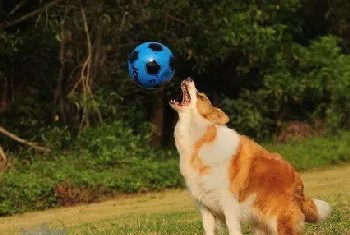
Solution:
(151, 64)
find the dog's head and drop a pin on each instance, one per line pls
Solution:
(197, 105)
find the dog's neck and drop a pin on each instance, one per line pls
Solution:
(188, 130)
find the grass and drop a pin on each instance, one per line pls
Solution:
(173, 211)
(315, 152)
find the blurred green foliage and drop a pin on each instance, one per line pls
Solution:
(267, 61)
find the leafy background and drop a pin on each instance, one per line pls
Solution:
(279, 69)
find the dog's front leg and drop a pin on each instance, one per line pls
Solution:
(208, 221)
(233, 217)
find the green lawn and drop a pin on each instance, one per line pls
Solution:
(189, 223)
(174, 211)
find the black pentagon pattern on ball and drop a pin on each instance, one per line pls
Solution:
(155, 46)
(152, 67)
(172, 62)
(134, 56)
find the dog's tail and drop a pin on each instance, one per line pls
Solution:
(315, 210)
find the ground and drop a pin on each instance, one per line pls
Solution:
(174, 211)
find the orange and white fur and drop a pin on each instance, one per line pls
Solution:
(234, 179)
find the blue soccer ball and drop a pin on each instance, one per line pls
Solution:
(151, 64)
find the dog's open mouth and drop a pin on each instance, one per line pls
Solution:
(186, 98)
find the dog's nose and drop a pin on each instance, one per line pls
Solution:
(189, 79)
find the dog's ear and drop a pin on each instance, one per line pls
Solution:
(218, 117)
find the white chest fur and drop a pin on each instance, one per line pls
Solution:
(209, 189)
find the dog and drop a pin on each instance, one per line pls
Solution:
(234, 179)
